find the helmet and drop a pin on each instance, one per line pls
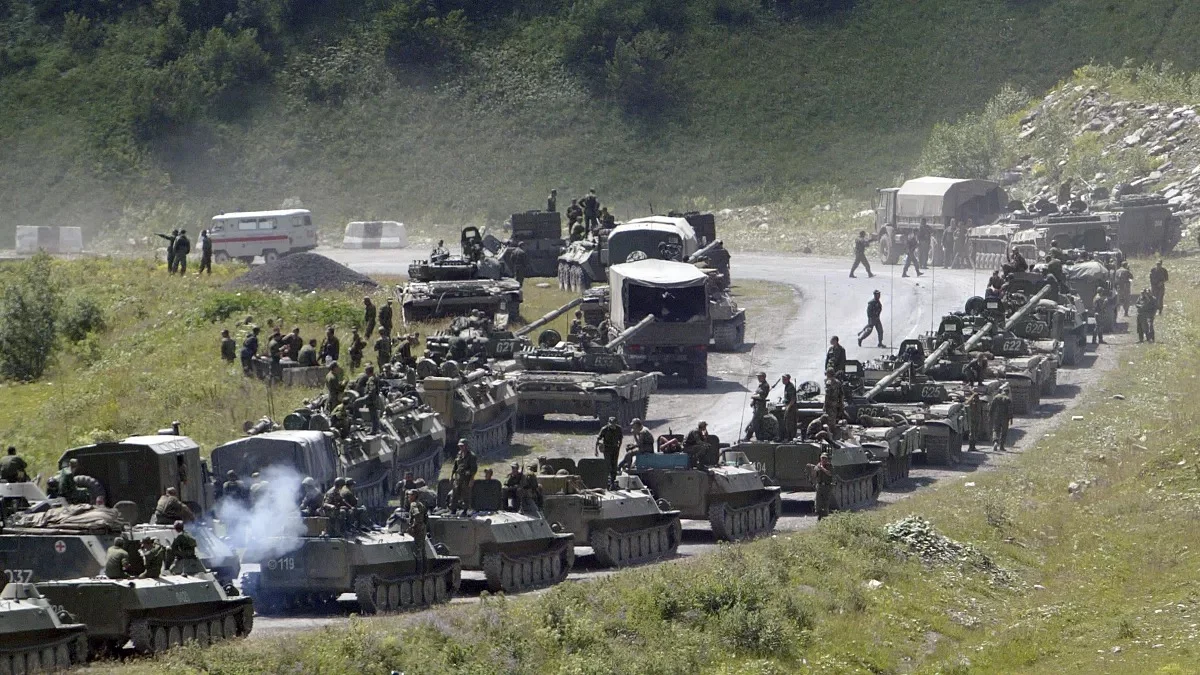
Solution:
(339, 481)
(636, 420)
(309, 481)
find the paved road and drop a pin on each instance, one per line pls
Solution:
(790, 336)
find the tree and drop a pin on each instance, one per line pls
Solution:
(28, 321)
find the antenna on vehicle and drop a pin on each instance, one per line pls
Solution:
(892, 302)
(932, 295)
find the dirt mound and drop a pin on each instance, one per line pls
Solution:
(303, 271)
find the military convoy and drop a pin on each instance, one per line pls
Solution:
(455, 285)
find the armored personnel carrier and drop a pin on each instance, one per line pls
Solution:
(383, 570)
(479, 406)
(624, 526)
(734, 498)
(454, 285)
(516, 551)
(156, 614)
(1146, 225)
(858, 475)
(34, 636)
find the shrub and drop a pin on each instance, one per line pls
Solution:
(82, 316)
(28, 321)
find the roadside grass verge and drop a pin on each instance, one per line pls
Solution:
(1101, 581)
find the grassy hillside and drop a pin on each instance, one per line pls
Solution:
(132, 115)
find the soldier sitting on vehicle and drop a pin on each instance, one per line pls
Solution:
(311, 499)
(169, 509)
(153, 556)
(12, 467)
(512, 487)
(181, 556)
(439, 252)
(116, 561)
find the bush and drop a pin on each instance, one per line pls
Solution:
(976, 146)
(417, 34)
(82, 317)
(28, 321)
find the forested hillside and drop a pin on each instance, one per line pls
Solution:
(132, 114)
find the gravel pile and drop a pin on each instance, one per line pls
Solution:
(921, 539)
(303, 271)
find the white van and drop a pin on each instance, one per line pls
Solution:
(269, 234)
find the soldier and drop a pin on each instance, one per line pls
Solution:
(814, 427)
(349, 499)
(228, 347)
(406, 347)
(418, 527)
(275, 351)
(642, 438)
(1018, 261)
(153, 556)
(835, 357)
(860, 253)
(383, 348)
(12, 467)
(1055, 253)
(234, 489)
(333, 497)
(975, 371)
(975, 419)
(182, 248)
(758, 408)
(874, 312)
(552, 201)
(512, 487)
(294, 343)
(835, 398)
(439, 252)
(591, 211)
(464, 470)
(335, 384)
(822, 473)
(519, 262)
(357, 344)
(368, 316)
(170, 249)
(205, 253)
(532, 499)
(962, 251)
(790, 403)
(66, 484)
(311, 499)
(169, 509)
(1001, 418)
(607, 220)
(697, 441)
(1146, 306)
(385, 318)
(574, 218)
(948, 236)
(116, 560)
(575, 331)
(1124, 280)
(924, 239)
(370, 394)
(181, 556)
(308, 354)
(249, 351)
(762, 389)
(331, 347)
(910, 246)
(1158, 283)
(407, 483)
(1099, 309)
(609, 440)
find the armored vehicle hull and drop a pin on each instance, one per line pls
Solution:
(32, 636)
(623, 395)
(382, 569)
(156, 614)
(733, 499)
(858, 476)
(421, 301)
(729, 327)
(624, 526)
(892, 445)
(479, 408)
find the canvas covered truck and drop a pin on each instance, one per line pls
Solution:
(898, 211)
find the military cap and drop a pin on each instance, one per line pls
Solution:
(339, 481)
(612, 420)
(824, 455)
(636, 420)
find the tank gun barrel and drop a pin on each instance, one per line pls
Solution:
(630, 332)
(979, 335)
(550, 316)
(887, 380)
(704, 251)
(936, 355)
(1026, 308)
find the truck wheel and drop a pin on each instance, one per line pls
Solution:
(887, 249)
(698, 379)
(221, 257)
(270, 256)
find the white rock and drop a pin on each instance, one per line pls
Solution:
(874, 584)
(1119, 397)
(1132, 140)
(543, 284)
(1076, 418)
(971, 484)
(1039, 587)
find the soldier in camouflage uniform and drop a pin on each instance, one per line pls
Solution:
(418, 526)
(835, 398)
(822, 473)
(1001, 418)
(153, 555)
(609, 440)
(975, 417)
(12, 467)
(116, 560)
(465, 467)
(228, 347)
(335, 384)
(790, 410)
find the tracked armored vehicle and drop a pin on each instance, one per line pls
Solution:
(516, 552)
(34, 636)
(455, 285)
(383, 569)
(733, 498)
(156, 614)
(929, 405)
(624, 526)
(479, 407)
(858, 475)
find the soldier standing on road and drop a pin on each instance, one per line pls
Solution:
(170, 249)
(465, 467)
(910, 246)
(181, 556)
(116, 560)
(552, 201)
(1158, 283)
(205, 253)
(874, 312)
(249, 351)
(1146, 306)
(1124, 280)
(591, 211)
(331, 347)
(228, 347)
(860, 253)
(924, 240)
(835, 357)
(948, 236)
(975, 419)
(385, 318)
(182, 248)
(368, 316)
(169, 509)
(153, 555)
(335, 384)
(609, 441)
(418, 527)
(1001, 417)
(357, 344)
(822, 474)
(12, 467)
(1099, 308)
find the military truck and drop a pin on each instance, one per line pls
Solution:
(676, 295)
(383, 569)
(857, 473)
(36, 637)
(455, 285)
(155, 614)
(937, 200)
(515, 551)
(674, 238)
(623, 524)
(541, 237)
(1146, 224)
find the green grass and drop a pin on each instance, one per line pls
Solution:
(1101, 582)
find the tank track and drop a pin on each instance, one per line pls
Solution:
(426, 466)
(513, 575)
(376, 594)
(856, 492)
(729, 336)
(896, 469)
(624, 410)
(619, 549)
(1050, 384)
(733, 524)
(154, 635)
(494, 438)
(59, 654)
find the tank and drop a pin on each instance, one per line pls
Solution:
(479, 407)
(36, 637)
(734, 499)
(890, 437)
(623, 526)
(858, 474)
(455, 285)
(66, 542)
(935, 407)
(1058, 318)
(515, 551)
(155, 614)
(380, 567)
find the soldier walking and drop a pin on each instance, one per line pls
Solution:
(368, 317)
(910, 246)
(1099, 309)
(182, 248)
(924, 240)
(466, 465)
(1001, 417)
(1158, 284)
(609, 441)
(1146, 307)
(860, 253)
(385, 318)
(1124, 280)
(205, 253)
(822, 473)
(874, 312)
